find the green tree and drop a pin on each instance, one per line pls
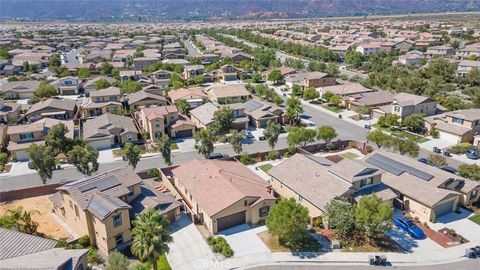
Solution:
(85, 158)
(300, 136)
(223, 120)
(326, 133)
(391, 120)
(235, 139)
(42, 160)
(83, 73)
(204, 140)
(473, 77)
(129, 86)
(102, 84)
(373, 217)
(311, 93)
(406, 146)
(362, 110)
(334, 100)
(294, 109)
(131, 153)
(332, 69)
(341, 218)
(414, 123)
(57, 139)
(437, 160)
(19, 220)
(183, 106)
(297, 90)
(164, 146)
(379, 137)
(256, 77)
(470, 171)
(275, 76)
(354, 58)
(116, 261)
(55, 60)
(288, 221)
(271, 133)
(106, 68)
(46, 90)
(150, 236)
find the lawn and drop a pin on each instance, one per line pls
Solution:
(174, 146)
(309, 244)
(333, 109)
(119, 152)
(382, 245)
(162, 263)
(349, 155)
(403, 134)
(265, 167)
(475, 218)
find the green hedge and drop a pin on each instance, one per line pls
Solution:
(220, 245)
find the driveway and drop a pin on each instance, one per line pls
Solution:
(185, 144)
(189, 250)
(410, 244)
(244, 240)
(460, 223)
(105, 156)
(443, 144)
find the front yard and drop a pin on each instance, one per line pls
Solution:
(333, 109)
(265, 167)
(309, 244)
(475, 218)
(119, 152)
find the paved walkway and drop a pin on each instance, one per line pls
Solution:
(244, 240)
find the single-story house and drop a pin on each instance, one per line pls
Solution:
(63, 109)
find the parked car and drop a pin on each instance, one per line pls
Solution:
(217, 156)
(473, 153)
(449, 169)
(423, 160)
(408, 226)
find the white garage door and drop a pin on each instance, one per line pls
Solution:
(448, 137)
(444, 208)
(101, 144)
(21, 155)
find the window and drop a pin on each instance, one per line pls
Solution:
(366, 182)
(130, 189)
(119, 240)
(26, 136)
(245, 203)
(457, 121)
(76, 211)
(158, 135)
(113, 98)
(263, 211)
(397, 108)
(117, 220)
(129, 137)
(157, 123)
(300, 199)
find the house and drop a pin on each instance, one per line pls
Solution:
(20, 137)
(412, 58)
(19, 89)
(31, 252)
(368, 49)
(202, 116)
(194, 96)
(103, 101)
(369, 100)
(225, 94)
(157, 121)
(9, 112)
(260, 112)
(58, 108)
(405, 104)
(145, 99)
(126, 75)
(229, 73)
(456, 126)
(141, 63)
(347, 89)
(403, 44)
(310, 79)
(190, 71)
(425, 191)
(108, 130)
(90, 85)
(68, 85)
(465, 66)
(284, 71)
(102, 206)
(469, 50)
(221, 193)
(440, 51)
(315, 181)
(208, 58)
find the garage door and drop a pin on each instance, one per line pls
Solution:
(444, 208)
(183, 133)
(230, 221)
(101, 144)
(448, 137)
(21, 155)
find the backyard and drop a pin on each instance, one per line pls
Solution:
(475, 218)
(265, 167)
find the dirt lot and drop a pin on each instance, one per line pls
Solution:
(43, 206)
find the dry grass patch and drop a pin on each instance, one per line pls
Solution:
(272, 242)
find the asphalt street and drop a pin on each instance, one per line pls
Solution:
(470, 264)
(192, 51)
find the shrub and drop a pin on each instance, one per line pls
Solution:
(220, 245)
(461, 148)
(318, 222)
(153, 172)
(246, 159)
(3, 160)
(435, 134)
(93, 257)
(84, 241)
(271, 155)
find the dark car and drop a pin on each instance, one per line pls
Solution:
(423, 160)
(449, 169)
(473, 153)
(409, 227)
(216, 156)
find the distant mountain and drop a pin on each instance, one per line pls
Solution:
(157, 10)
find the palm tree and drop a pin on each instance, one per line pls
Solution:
(294, 108)
(150, 236)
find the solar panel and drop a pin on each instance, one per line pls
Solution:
(102, 184)
(252, 105)
(396, 167)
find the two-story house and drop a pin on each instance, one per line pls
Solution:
(103, 101)
(58, 108)
(405, 104)
(466, 66)
(202, 116)
(191, 71)
(194, 96)
(102, 206)
(19, 89)
(9, 112)
(228, 73)
(456, 126)
(226, 94)
(440, 51)
(108, 130)
(157, 121)
(68, 85)
(20, 137)
(310, 79)
(145, 99)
